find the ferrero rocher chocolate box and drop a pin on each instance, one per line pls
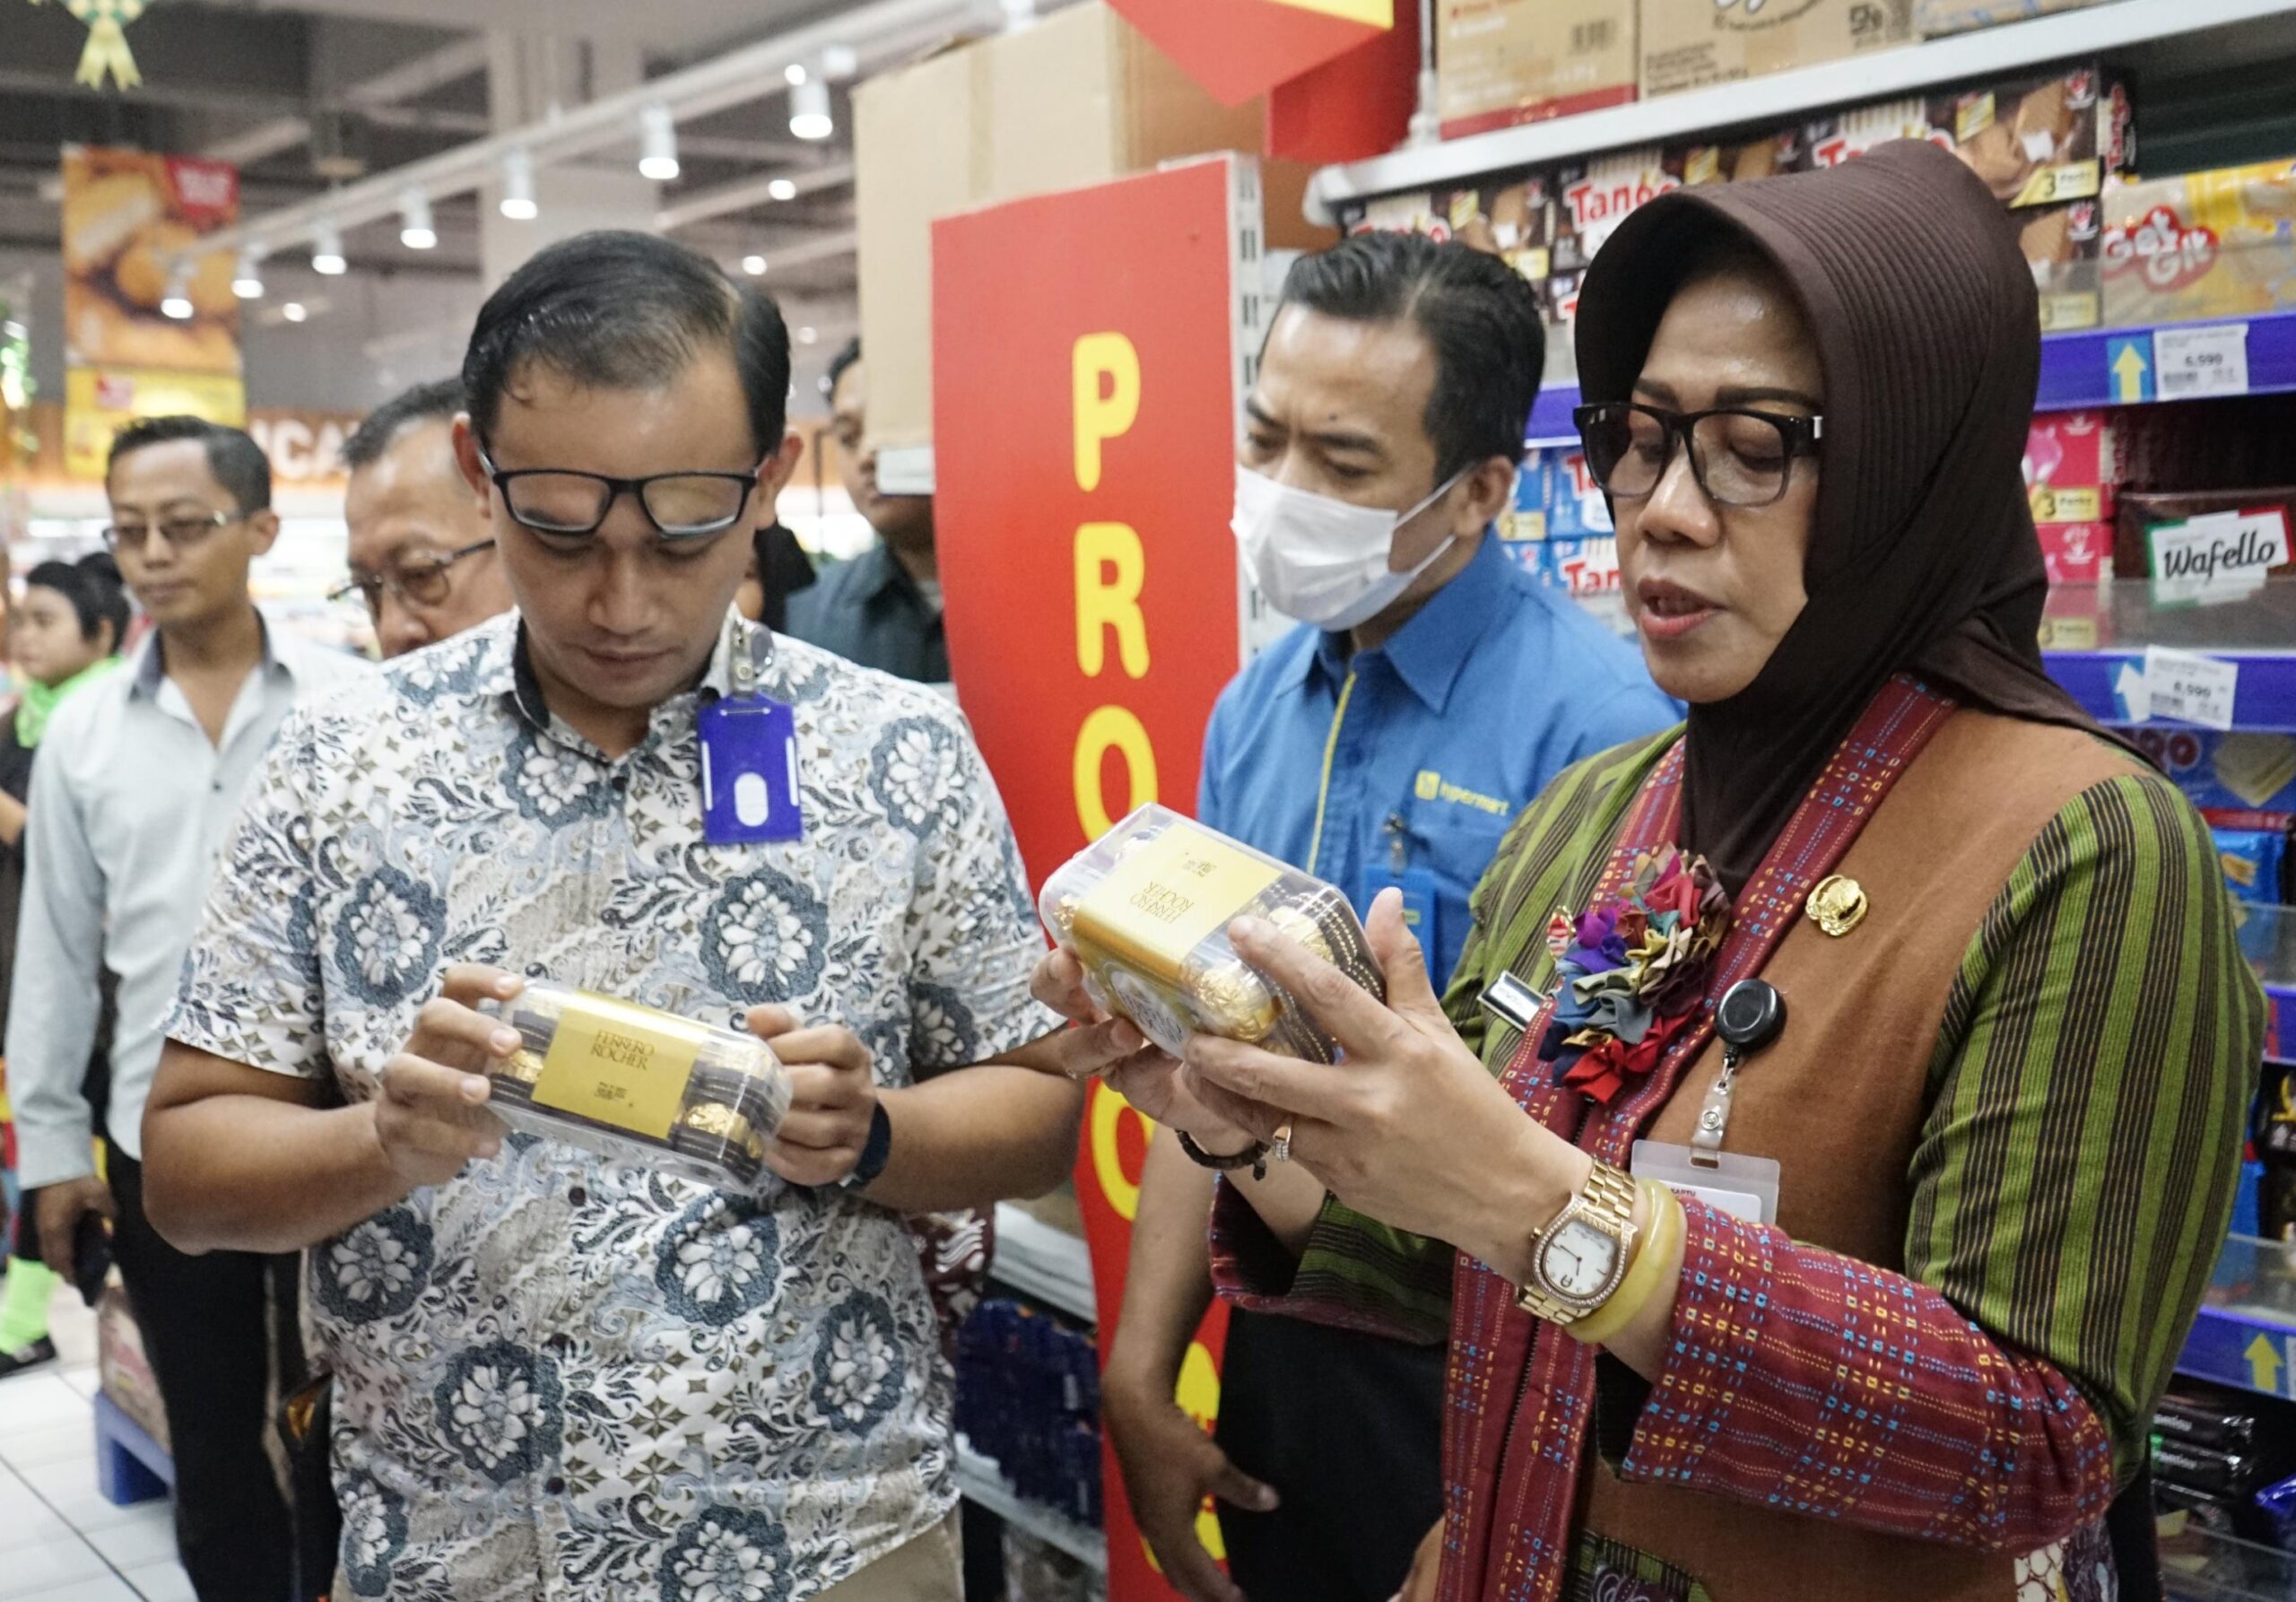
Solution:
(1146, 910)
(640, 1086)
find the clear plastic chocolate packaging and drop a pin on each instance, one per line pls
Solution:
(640, 1086)
(1146, 910)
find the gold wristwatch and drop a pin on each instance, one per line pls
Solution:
(1577, 1261)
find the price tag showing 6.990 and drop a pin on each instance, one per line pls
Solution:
(2191, 364)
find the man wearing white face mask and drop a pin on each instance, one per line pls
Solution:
(1431, 690)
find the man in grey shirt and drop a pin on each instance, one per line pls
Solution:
(139, 782)
(881, 609)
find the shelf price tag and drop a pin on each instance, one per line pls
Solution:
(2190, 687)
(2194, 364)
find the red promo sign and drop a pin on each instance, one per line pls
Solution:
(1239, 49)
(1088, 571)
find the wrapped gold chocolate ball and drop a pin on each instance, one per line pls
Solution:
(1235, 1000)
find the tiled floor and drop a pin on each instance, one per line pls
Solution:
(60, 1541)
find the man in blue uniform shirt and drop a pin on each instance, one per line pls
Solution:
(1431, 690)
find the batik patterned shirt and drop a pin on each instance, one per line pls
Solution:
(558, 1375)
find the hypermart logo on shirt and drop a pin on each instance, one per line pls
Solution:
(1430, 786)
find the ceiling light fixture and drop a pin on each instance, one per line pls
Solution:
(782, 188)
(794, 74)
(809, 110)
(519, 187)
(657, 143)
(327, 251)
(755, 266)
(293, 311)
(807, 335)
(178, 301)
(246, 279)
(416, 230)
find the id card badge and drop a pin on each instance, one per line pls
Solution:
(749, 771)
(1419, 913)
(1742, 1187)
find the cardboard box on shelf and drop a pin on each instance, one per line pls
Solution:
(1934, 18)
(2206, 545)
(1502, 62)
(1736, 161)
(1079, 98)
(123, 1371)
(2076, 553)
(2066, 451)
(2035, 141)
(1690, 44)
(2040, 141)
(2206, 244)
(2241, 773)
(1510, 216)
(2061, 244)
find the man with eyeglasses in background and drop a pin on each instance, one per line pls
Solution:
(421, 551)
(558, 1373)
(139, 780)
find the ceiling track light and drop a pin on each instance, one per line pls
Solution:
(294, 311)
(519, 187)
(809, 110)
(327, 251)
(247, 278)
(177, 303)
(657, 143)
(782, 188)
(795, 73)
(416, 230)
(755, 266)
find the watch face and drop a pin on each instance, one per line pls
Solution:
(1579, 1259)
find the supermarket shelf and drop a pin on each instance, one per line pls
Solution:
(984, 1485)
(2237, 29)
(2246, 1334)
(2077, 368)
(1041, 1261)
(2265, 700)
(2280, 1023)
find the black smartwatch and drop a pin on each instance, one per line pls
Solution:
(875, 1152)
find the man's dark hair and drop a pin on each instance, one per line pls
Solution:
(849, 353)
(439, 401)
(94, 593)
(622, 311)
(235, 459)
(1480, 315)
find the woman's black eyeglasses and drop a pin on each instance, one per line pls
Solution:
(1741, 459)
(420, 583)
(682, 506)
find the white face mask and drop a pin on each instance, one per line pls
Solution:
(1321, 561)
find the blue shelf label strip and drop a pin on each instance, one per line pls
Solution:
(2250, 1354)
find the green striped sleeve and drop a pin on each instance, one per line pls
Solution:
(1551, 857)
(2089, 1097)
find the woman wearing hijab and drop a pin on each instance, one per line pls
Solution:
(1905, 1334)
(65, 634)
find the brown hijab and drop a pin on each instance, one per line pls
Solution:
(1923, 556)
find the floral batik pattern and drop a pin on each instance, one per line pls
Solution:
(559, 1376)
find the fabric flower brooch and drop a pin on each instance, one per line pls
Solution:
(1630, 973)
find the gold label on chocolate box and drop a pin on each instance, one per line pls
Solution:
(1164, 900)
(621, 1065)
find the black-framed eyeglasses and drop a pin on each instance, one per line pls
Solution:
(181, 533)
(682, 506)
(424, 583)
(1741, 458)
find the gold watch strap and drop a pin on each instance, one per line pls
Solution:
(1607, 1197)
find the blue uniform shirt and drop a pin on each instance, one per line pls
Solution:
(1404, 764)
